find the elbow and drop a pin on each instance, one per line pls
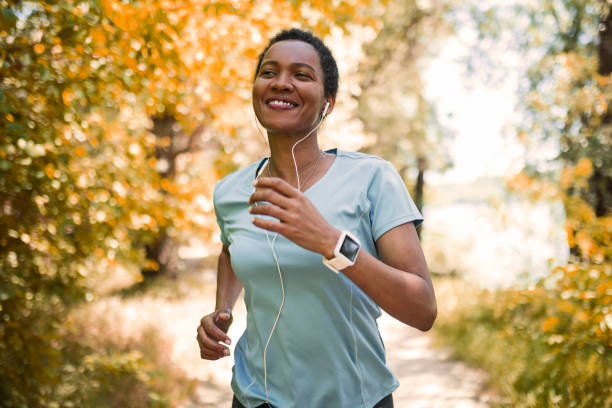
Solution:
(428, 318)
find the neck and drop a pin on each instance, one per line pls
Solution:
(306, 154)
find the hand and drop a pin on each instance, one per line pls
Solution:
(299, 220)
(211, 331)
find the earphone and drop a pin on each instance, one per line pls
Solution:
(325, 110)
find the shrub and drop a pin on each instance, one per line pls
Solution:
(546, 346)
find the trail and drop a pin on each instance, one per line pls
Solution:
(428, 377)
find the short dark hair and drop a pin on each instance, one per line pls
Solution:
(328, 62)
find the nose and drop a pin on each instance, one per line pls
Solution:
(282, 82)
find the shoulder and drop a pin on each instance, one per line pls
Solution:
(369, 165)
(360, 158)
(238, 179)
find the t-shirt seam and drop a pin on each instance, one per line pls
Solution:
(408, 217)
(382, 394)
(360, 156)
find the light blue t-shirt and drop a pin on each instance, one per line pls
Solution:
(326, 350)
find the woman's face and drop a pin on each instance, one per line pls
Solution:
(288, 95)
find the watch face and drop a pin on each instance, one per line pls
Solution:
(349, 248)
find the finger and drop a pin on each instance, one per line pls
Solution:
(208, 343)
(204, 352)
(214, 353)
(271, 196)
(270, 210)
(210, 355)
(277, 184)
(273, 226)
(214, 331)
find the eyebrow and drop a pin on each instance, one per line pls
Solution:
(294, 64)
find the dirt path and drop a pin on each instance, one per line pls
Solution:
(428, 378)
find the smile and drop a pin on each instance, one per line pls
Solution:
(280, 104)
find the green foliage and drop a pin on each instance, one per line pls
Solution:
(547, 346)
(60, 218)
(99, 372)
(551, 345)
(391, 103)
(567, 85)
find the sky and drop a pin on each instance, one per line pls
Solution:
(478, 112)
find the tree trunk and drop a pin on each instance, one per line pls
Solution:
(163, 250)
(599, 194)
(601, 183)
(419, 195)
(420, 183)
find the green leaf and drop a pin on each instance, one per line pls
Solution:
(7, 19)
(16, 128)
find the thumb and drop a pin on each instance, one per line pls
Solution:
(224, 315)
(224, 319)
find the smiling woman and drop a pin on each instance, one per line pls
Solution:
(331, 242)
(288, 96)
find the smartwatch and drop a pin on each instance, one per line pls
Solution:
(345, 252)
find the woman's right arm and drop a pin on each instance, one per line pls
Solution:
(213, 327)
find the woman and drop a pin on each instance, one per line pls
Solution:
(319, 241)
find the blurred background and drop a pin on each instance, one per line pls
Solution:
(117, 118)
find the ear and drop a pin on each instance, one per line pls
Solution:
(328, 106)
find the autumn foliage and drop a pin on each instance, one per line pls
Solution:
(550, 345)
(82, 189)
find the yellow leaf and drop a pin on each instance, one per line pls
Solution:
(165, 141)
(584, 168)
(39, 48)
(550, 323)
(168, 185)
(80, 151)
(67, 95)
(50, 170)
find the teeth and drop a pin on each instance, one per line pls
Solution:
(276, 102)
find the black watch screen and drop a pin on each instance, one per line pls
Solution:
(349, 248)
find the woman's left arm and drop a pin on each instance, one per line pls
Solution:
(400, 284)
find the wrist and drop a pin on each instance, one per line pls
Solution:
(227, 310)
(329, 243)
(344, 253)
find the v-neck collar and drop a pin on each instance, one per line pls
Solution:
(333, 151)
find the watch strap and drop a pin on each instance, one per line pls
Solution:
(339, 261)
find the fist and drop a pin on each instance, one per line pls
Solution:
(212, 335)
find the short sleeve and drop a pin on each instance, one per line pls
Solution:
(219, 216)
(390, 202)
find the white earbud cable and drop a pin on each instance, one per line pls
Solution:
(271, 245)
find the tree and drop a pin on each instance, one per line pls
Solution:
(86, 88)
(563, 321)
(391, 103)
(567, 101)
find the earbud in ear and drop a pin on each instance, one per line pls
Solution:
(325, 109)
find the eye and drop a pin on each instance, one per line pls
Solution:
(302, 75)
(266, 73)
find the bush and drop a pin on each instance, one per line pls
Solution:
(112, 362)
(546, 346)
